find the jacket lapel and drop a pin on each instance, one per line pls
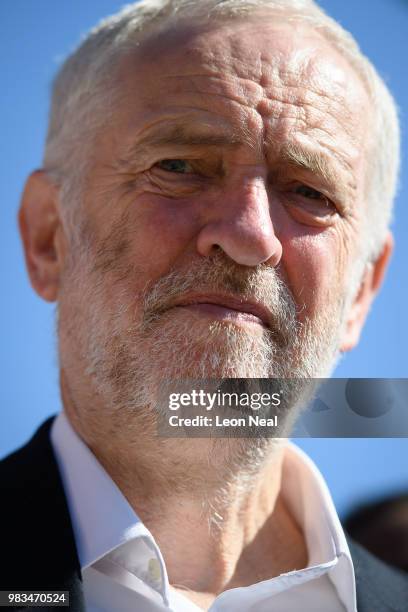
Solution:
(38, 545)
(379, 587)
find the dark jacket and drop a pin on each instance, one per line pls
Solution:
(38, 548)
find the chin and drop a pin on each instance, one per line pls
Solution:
(199, 349)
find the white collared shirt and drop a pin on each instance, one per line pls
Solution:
(123, 569)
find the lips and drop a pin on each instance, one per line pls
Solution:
(213, 303)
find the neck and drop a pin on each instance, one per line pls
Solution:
(214, 507)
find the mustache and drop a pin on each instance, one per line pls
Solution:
(218, 273)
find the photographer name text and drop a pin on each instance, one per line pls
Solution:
(218, 421)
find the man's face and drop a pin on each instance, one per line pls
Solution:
(221, 214)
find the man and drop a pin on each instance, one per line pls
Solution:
(214, 203)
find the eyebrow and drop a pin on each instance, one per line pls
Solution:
(315, 162)
(183, 136)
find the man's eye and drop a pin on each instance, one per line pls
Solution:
(309, 192)
(316, 198)
(181, 166)
(310, 206)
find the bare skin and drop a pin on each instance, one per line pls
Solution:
(269, 126)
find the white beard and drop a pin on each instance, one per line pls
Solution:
(127, 359)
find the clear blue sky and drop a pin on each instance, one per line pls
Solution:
(36, 35)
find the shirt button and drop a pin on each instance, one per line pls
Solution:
(154, 570)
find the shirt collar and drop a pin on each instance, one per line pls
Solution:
(104, 522)
(102, 519)
(308, 498)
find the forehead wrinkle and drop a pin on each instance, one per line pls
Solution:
(314, 129)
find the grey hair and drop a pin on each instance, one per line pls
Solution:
(84, 93)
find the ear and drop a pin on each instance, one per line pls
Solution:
(41, 233)
(370, 285)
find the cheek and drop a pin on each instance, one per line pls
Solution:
(160, 232)
(311, 264)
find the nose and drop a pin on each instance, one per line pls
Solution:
(242, 227)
